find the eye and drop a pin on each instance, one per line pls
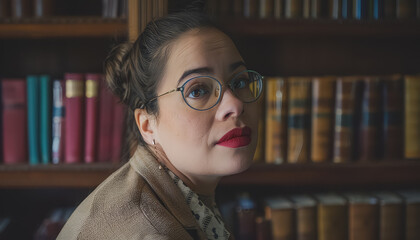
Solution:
(198, 91)
(239, 83)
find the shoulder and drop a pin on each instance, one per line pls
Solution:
(114, 209)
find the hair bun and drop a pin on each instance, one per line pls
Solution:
(116, 70)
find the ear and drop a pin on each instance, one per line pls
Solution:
(146, 124)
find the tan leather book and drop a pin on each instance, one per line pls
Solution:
(322, 120)
(306, 9)
(265, 9)
(391, 216)
(275, 120)
(278, 6)
(280, 211)
(298, 119)
(369, 120)
(293, 9)
(412, 214)
(305, 208)
(332, 217)
(412, 117)
(392, 117)
(345, 107)
(363, 216)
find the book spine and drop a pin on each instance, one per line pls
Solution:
(91, 116)
(363, 221)
(306, 223)
(238, 7)
(390, 9)
(21, 8)
(275, 121)
(45, 118)
(412, 219)
(118, 130)
(14, 121)
(33, 95)
(265, 8)
(250, 8)
(369, 124)
(332, 222)
(406, 9)
(259, 151)
(323, 90)
(106, 111)
(346, 9)
(390, 222)
(343, 126)
(74, 117)
(293, 9)
(306, 9)
(412, 117)
(298, 120)
(392, 118)
(283, 222)
(58, 122)
(278, 6)
(378, 9)
(5, 9)
(335, 9)
(246, 215)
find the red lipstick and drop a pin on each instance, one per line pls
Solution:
(237, 137)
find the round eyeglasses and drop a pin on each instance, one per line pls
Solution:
(204, 92)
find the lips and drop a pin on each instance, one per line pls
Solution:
(237, 137)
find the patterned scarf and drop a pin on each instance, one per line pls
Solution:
(210, 222)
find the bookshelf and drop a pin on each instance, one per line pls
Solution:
(273, 47)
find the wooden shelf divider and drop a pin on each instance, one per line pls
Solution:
(404, 172)
(64, 28)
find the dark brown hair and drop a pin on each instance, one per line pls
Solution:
(133, 70)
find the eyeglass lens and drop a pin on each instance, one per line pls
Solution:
(202, 93)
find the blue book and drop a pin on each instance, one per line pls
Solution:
(378, 9)
(32, 85)
(45, 118)
(346, 7)
(57, 121)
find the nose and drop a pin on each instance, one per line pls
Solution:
(229, 106)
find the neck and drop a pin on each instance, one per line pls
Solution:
(204, 185)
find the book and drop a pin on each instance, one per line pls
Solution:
(406, 9)
(43, 8)
(392, 117)
(5, 9)
(363, 216)
(246, 215)
(332, 216)
(306, 9)
(250, 9)
(378, 9)
(298, 119)
(344, 111)
(335, 9)
(305, 212)
(14, 120)
(391, 215)
(259, 151)
(412, 116)
(280, 211)
(265, 8)
(276, 120)
(278, 6)
(293, 9)
(412, 213)
(106, 111)
(118, 129)
(346, 9)
(74, 117)
(369, 124)
(45, 118)
(58, 127)
(390, 9)
(21, 8)
(33, 107)
(263, 229)
(323, 91)
(91, 116)
(237, 7)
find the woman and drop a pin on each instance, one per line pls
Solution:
(192, 104)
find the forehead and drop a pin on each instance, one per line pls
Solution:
(202, 47)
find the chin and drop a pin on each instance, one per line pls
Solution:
(236, 165)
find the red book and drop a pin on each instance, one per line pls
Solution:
(118, 129)
(91, 116)
(14, 121)
(106, 111)
(74, 117)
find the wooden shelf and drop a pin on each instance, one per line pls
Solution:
(321, 28)
(395, 173)
(63, 28)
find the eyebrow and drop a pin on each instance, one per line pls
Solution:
(207, 70)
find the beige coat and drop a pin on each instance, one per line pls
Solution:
(138, 201)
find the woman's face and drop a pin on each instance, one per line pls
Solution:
(191, 139)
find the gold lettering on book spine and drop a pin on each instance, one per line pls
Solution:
(91, 88)
(74, 88)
